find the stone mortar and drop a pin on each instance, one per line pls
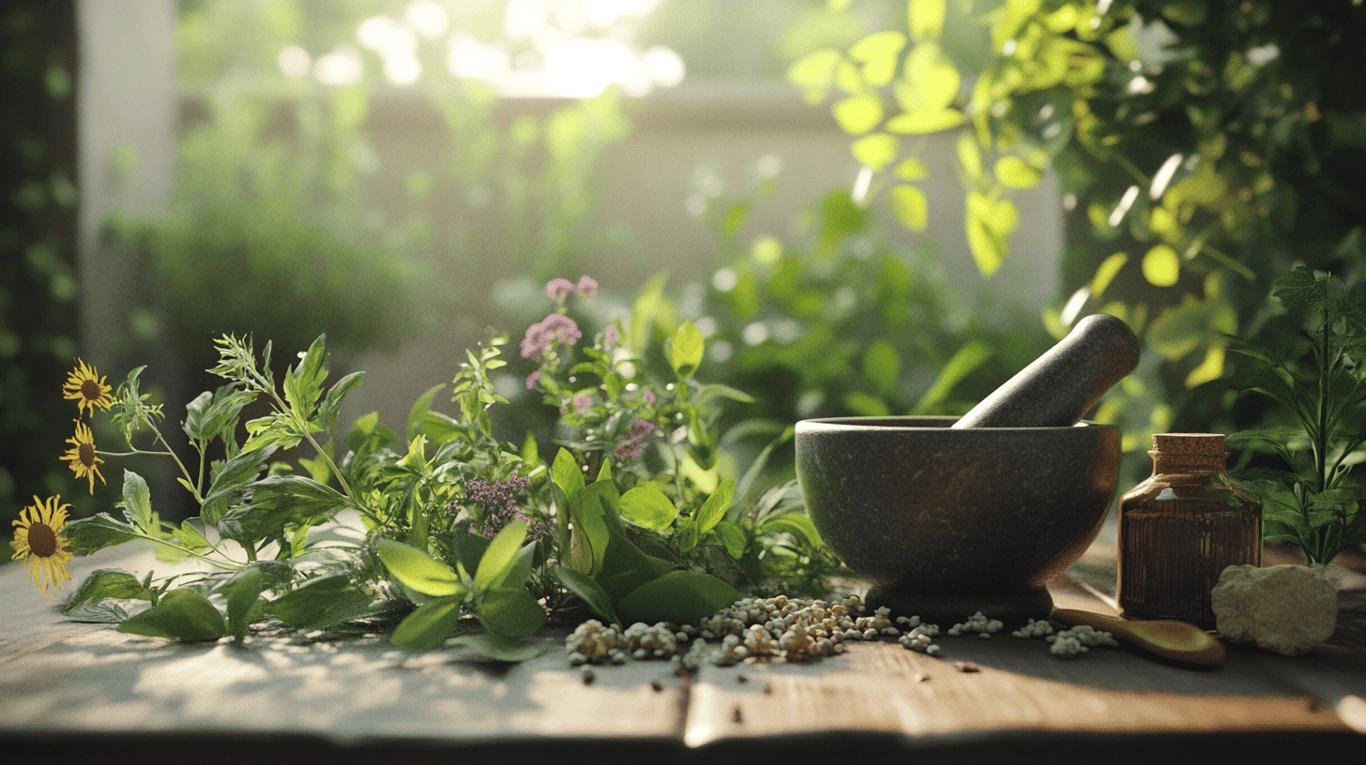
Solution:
(945, 522)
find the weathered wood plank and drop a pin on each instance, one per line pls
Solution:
(57, 676)
(877, 688)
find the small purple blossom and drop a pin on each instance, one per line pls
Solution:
(558, 288)
(610, 335)
(498, 500)
(588, 286)
(582, 402)
(545, 334)
(532, 379)
(636, 437)
(649, 396)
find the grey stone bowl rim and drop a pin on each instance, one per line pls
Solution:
(887, 424)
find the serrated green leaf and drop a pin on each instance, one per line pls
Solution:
(321, 603)
(106, 583)
(303, 383)
(86, 535)
(331, 404)
(733, 538)
(183, 615)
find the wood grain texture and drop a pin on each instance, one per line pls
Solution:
(59, 678)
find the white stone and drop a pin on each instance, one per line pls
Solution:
(1285, 609)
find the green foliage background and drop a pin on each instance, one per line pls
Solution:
(38, 288)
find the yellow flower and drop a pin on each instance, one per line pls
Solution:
(81, 457)
(38, 537)
(87, 387)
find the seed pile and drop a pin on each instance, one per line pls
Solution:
(795, 630)
(1034, 629)
(978, 624)
(1076, 641)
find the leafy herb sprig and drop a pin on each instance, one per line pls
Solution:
(1310, 361)
(442, 528)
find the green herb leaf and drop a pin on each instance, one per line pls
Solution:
(679, 597)
(565, 473)
(243, 592)
(304, 382)
(589, 591)
(648, 507)
(417, 570)
(510, 612)
(713, 511)
(86, 535)
(428, 626)
(685, 349)
(420, 408)
(107, 583)
(331, 405)
(733, 538)
(184, 615)
(497, 647)
(499, 557)
(321, 603)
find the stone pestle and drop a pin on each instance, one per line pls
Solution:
(1062, 385)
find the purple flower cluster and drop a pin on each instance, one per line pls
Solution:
(498, 500)
(636, 437)
(544, 335)
(559, 288)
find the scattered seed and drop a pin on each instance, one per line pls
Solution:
(921, 677)
(768, 689)
(657, 685)
(736, 715)
(589, 676)
(966, 666)
(742, 678)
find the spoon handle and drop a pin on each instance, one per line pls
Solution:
(1173, 640)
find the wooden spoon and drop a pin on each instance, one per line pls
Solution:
(1177, 641)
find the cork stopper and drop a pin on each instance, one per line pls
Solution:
(1204, 451)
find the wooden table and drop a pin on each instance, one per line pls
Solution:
(73, 692)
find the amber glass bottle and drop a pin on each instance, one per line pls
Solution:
(1179, 529)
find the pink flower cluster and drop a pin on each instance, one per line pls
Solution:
(636, 438)
(544, 335)
(559, 288)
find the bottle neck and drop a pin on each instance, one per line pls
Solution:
(1185, 463)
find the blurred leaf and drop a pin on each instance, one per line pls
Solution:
(1106, 273)
(922, 122)
(857, 115)
(510, 612)
(1161, 266)
(1015, 173)
(959, 366)
(499, 556)
(685, 350)
(910, 207)
(875, 151)
(926, 18)
(590, 592)
(882, 366)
